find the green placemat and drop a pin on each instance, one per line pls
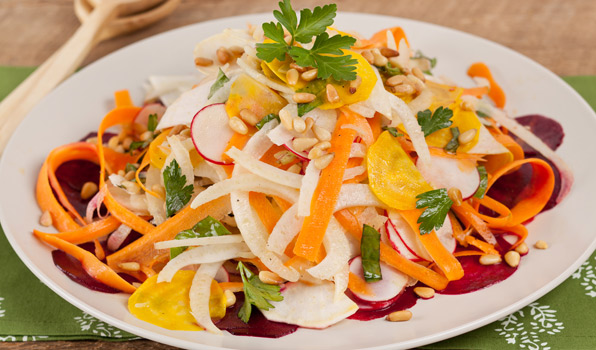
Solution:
(563, 319)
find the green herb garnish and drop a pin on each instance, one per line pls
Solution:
(152, 122)
(453, 144)
(266, 119)
(437, 204)
(208, 227)
(433, 61)
(481, 114)
(393, 131)
(431, 122)
(219, 83)
(256, 293)
(483, 182)
(389, 69)
(177, 194)
(370, 254)
(130, 167)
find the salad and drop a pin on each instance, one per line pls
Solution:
(310, 176)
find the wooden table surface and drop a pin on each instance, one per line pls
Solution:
(561, 35)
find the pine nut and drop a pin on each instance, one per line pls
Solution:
(309, 123)
(89, 189)
(301, 144)
(286, 119)
(292, 76)
(379, 60)
(315, 153)
(130, 175)
(223, 55)
(295, 168)
(522, 248)
(417, 83)
(127, 142)
(541, 245)
(303, 97)
(387, 52)
(512, 258)
(355, 84)
(403, 89)
(467, 106)
(238, 125)
(368, 56)
(395, 62)
(230, 298)
(46, 219)
(332, 95)
(131, 187)
(297, 67)
(299, 124)
(121, 173)
(396, 80)
(249, 117)
(113, 142)
(203, 62)
(418, 73)
(399, 316)
(321, 133)
(159, 190)
(270, 277)
(310, 75)
(490, 259)
(130, 266)
(467, 136)
(236, 50)
(323, 161)
(424, 292)
(323, 145)
(119, 149)
(185, 133)
(92, 140)
(145, 136)
(177, 129)
(455, 195)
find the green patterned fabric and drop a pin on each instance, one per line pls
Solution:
(30, 311)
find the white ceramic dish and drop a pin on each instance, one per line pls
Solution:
(78, 105)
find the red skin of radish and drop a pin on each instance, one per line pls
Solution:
(394, 246)
(303, 156)
(202, 154)
(404, 301)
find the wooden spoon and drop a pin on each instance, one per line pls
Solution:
(66, 60)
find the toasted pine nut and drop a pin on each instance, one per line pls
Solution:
(298, 67)
(113, 142)
(299, 124)
(230, 298)
(387, 52)
(89, 189)
(248, 116)
(185, 132)
(46, 219)
(321, 133)
(203, 62)
(295, 168)
(522, 248)
(331, 93)
(323, 145)
(159, 190)
(121, 173)
(424, 292)
(238, 125)
(145, 136)
(380, 60)
(127, 142)
(418, 73)
(223, 55)
(91, 140)
(177, 129)
(323, 161)
(301, 144)
(467, 106)
(395, 62)
(541, 245)
(270, 277)
(303, 97)
(309, 123)
(130, 175)
(310, 75)
(292, 76)
(396, 80)
(355, 84)
(286, 119)
(130, 266)
(236, 50)
(368, 56)
(315, 153)
(467, 136)
(399, 316)
(417, 83)
(455, 195)
(131, 187)
(119, 149)
(512, 258)
(403, 89)
(490, 259)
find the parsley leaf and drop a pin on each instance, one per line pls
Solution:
(208, 227)
(130, 167)
(437, 204)
(393, 131)
(420, 55)
(152, 122)
(287, 18)
(431, 122)
(370, 254)
(338, 65)
(389, 69)
(481, 114)
(483, 182)
(314, 23)
(453, 144)
(219, 83)
(139, 145)
(266, 119)
(256, 293)
(177, 195)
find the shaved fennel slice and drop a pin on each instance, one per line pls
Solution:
(261, 78)
(257, 145)
(200, 293)
(203, 255)
(245, 182)
(421, 102)
(401, 109)
(356, 195)
(204, 169)
(338, 252)
(341, 280)
(376, 102)
(307, 189)
(351, 173)
(155, 205)
(487, 144)
(287, 227)
(255, 235)
(312, 306)
(358, 150)
(182, 157)
(199, 241)
(265, 170)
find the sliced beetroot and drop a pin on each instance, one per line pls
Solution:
(548, 130)
(72, 175)
(73, 268)
(257, 326)
(406, 300)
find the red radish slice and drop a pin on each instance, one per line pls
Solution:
(210, 132)
(392, 284)
(303, 156)
(152, 108)
(404, 239)
(222, 275)
(446, 173)
(398, 243)
(445, 235)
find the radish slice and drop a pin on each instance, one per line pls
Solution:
(446, 172)
(210, 132)
(303, 156)
(117, 237)
(152, 108)
(186, 106)
(392, 284)
(310, 306)
(222, 275)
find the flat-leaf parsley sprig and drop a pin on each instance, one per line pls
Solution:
(326, 53)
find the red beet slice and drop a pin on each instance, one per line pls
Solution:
(406, 300)
(72, 175)
(73, 268)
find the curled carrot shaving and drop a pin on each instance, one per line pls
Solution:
(485, 247)
(92, 265)
(99, 252)
(358, 285)
(496, 93)
(268, 214)
(379, 39)
(495, 161)
(89, 232)
(238, 141)
(476, 91)
(520, 231)
(232, 286)
(126, 216)
(505, 214)
(146, 161)
(469, 216)
(467, 253)
(46, 200)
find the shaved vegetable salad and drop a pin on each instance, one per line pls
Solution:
(311, 175)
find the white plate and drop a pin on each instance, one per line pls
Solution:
(78, 105)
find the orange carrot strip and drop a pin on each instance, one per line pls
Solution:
(46, 200)
(89, 232)
(353, 162)
(126, 216)
(485, 247)
(232, 286)
(116, 161)
(282, 203)
(122, 99)
(93, 266)
(380, 37)
(375, 125)
(470, 217)
(495, 93)
(505, 214)
(467, 253)
(448, 264)
(476, 91)
(268, 214)
(326, 194)
(357, 284)
(361, 123)
(99, 252)
(520, 231)
(146, 161)
(238, 141)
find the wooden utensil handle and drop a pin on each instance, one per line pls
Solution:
(62, 64)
